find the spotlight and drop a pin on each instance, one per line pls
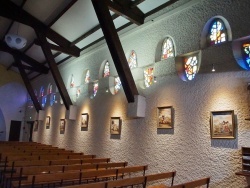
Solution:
(213, 69)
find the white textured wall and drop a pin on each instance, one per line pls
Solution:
(187, 148)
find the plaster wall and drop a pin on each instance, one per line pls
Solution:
(187, 148)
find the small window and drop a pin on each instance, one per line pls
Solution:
(106, 70)
(87, 77)
(191, 67)
(95, 89)
(72, 81)
(44, 100)
(41, 92)
(52, 99)
(49, 91)
(246, 53)
(118, 84)
(148, 77)
(217, 32)
(167, 49)
(132, 61)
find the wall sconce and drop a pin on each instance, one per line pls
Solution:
(107, 90)
(213, 69)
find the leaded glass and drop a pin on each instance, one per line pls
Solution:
(78, 92)
(41, 92)
(87, 77)
(167, 49)
(217, 33)
(49, 89)
(148, 77)
(52, 99)
(106, 71)
(95, 89)
(132, 61)
(118, 84)
(72, 81)
(191, 67)
(44, 100)
(246, 53)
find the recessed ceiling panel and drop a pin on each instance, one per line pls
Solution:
(149, 5)
(120, 21)
(80, 19)
(96, 35)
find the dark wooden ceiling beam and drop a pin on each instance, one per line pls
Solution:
(26, 67)
(115, 49)
(135, 15)
(9, 10)
(36, 65)
(54, 69)
(27, 83)
(69, 51)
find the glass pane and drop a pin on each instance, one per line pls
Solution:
(87, 77)
(191, 67)
(167, 49)
(132, 61)
(148, 77)
(106, 71)
(217, 33)
(118, 84)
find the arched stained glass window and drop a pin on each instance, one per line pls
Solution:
(191, 67)
(118, 84)
(95, 89)
(49, 91)
(148, 76)
(41, 92)
(72, 81)
(44, 100)
(246, 53)
(52, 99)
(78, 92)
(132, 61)
(106, 70)
(217, 32)
(167, 49)
(87, 77)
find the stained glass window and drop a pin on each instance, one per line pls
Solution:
(87, 77)
(148, 77)
(167, 49)
(132, 61)
(41, 92)
(246, 53)
(217, 32)
(118, 84)
(95, 89)
(78, 92)
(49, 89)
(106, 70)
(52, 99)
(191, 67)
(72, 81)
(44, 100)
(29, 102)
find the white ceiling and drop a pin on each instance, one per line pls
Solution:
(78, 20)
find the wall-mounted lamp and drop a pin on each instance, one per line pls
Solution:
(107, 90)
(213, 69)
(155, 79)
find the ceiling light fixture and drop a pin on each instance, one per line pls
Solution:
(15, 41)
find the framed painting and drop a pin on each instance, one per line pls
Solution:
(115, 125)
(35, 126)
(165, 117)
(222, 124)
(47, 122)
(62, 125)
(84, 120)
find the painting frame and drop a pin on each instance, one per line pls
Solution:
(115, 125)
(222, 124)
(165, 117)
(84, 120)
(47, 122)
(62, 125)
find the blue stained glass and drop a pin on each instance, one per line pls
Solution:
(95, 89)
(118, 84)
(167, 49)
(106, 71)
(191, 67)
(52, 99)
(217, 33)
(132, 61)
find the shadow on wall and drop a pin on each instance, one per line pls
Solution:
(13, 98)
(2, 127)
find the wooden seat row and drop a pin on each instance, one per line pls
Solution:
(79, 177)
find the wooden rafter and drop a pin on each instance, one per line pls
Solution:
(9, 10)
(54, 69)
(27, 83)
(38, 67)
(115, 49)
(123, 8)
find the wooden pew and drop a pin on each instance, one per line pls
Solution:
(22, 172)
(193, 184)
(78, 177)
(140, 180)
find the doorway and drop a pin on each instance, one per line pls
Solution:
(15, 127)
